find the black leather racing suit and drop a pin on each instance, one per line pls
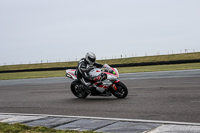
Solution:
(83, 70)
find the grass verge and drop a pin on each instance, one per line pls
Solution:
(21, 128)
(44, 74)
(172, 57)
(159, 68)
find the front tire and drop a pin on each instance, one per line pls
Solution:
(121, 91)
(77, 90)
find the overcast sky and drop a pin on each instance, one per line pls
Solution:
(35, 30)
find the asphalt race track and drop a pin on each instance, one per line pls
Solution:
(165, 96)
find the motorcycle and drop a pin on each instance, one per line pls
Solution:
(107, 85)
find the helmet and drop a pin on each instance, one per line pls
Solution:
(90, 58)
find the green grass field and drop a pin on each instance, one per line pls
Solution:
(173, 57)
(44, 74)
(21, 128)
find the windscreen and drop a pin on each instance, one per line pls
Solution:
(107, 68)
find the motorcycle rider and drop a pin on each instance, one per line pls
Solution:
(85, 65)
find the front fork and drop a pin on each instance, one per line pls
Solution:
(113, 85)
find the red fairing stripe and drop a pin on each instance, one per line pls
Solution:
(111, 73)
(71, 73)
(116, 81)
(103, 86)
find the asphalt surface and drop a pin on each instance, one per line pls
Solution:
(165, 96)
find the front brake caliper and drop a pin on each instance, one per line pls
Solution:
(114, 87)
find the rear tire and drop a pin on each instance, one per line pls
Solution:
(121, 91)
(77, 90)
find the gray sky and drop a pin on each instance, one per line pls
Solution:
(35, 30)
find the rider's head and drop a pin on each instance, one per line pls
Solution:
(90, 58)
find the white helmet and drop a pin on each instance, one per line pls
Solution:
(90, 58)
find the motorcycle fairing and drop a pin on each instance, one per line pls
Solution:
(70, 73)
(110, 71)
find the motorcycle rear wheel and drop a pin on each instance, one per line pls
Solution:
(121, 91)
(77, 90)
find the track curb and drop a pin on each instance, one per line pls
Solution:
(100, 124)
(107, 118)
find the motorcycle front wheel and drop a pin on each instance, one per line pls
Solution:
(121, 91)
(77, 90)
